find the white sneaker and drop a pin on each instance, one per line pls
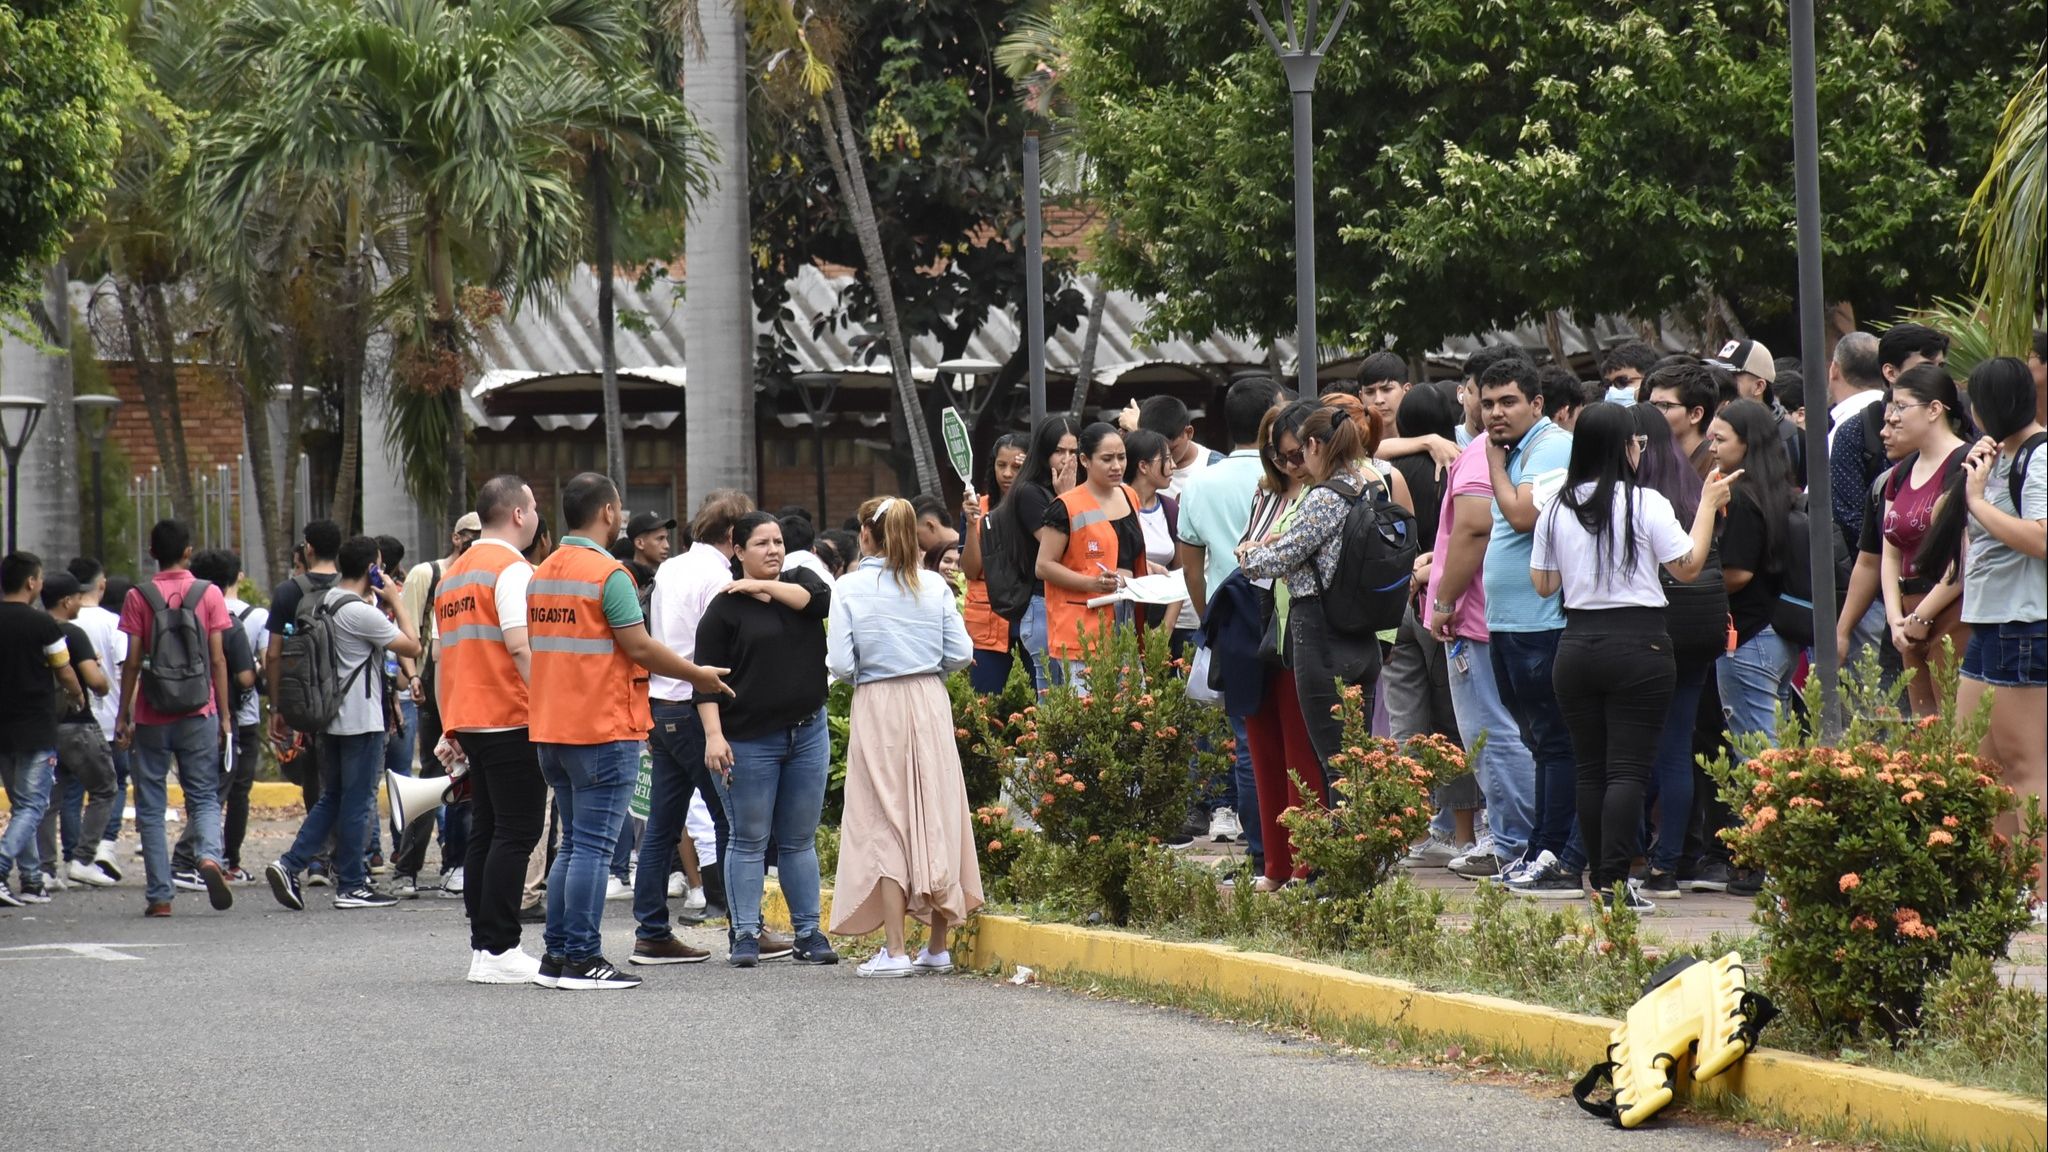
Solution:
(512, 966)
(406, 887)
(1224, 826)
(617, 889)
(55, 881)
(677, 884)
(927, 964)
(1527, 866)
(694, 901)
(1432, 851)
(451, 881)
(1484, 847)
(92, 874)
(885, 966)
(105, 858)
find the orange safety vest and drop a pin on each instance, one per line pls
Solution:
(990, 632)
(586, 690)
(1091, 540)
(483, 686)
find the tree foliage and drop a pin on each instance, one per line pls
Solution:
(63, 76)
(1478, 165)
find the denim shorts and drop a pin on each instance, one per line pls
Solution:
(2011, 655)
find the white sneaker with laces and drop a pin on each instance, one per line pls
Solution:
(1224, 826)
(694, 901)
(617, 889)
(105, 858)
(451, 882)
(1431, 851)
(677, 884)
(90, 874)
(1521, 870)
(512, 966)
(55, 881)
(884, 966)
(930, 965)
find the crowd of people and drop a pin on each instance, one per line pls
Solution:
(1592, 582)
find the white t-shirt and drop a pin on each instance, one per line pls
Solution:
(360, 633)
(808, 560)
(103, 627)
(684, 587)
(1183, 474)
(1594, 578)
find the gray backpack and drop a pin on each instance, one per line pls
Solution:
(177, 667)
(310, 685)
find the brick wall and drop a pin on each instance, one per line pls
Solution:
(212, 429)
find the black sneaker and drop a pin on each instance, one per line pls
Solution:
(1747, 882)
(187, 880)
(1662, 885)
(7, 897)
(1713, 876)
(1631, 898)
(317, 875)
(550, 974)
(595, 974)
(284, 886)
(364, 896)
(744, 952)
(1553, 883)
(813, 949)
(32, 892)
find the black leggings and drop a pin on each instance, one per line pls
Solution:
(1614, 677)
(507, 798)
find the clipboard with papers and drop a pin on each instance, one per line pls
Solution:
(1157, 588)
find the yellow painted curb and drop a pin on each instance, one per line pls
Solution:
(262, 794)
(1802, 1088)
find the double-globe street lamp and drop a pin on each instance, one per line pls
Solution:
(18, 418)
(95, 418)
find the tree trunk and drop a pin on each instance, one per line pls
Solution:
(601, 226)
(147, 383)
(1091, 339)
(272, 516)
(167, 375)
(848, 167)
(354, 335)
(295, 434)
(441, 278)
(1553, 338)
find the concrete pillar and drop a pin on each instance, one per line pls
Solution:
(50, 468)
(718, 309)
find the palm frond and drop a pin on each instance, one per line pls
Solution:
(2009, 213)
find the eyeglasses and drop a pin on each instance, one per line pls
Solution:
(1294, 459)
(1667, 405)
(1639, 442)
(1894, 408)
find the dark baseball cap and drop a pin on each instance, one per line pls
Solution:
(645, 522)
(57, 584)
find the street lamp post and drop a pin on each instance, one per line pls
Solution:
(95, 417)
(1301, 62)
(1034, 278)
(817, 410)
(18, 418)
(1806, 195)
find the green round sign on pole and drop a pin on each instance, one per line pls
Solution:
(959, 450)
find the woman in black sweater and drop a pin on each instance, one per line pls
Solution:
(767, 744)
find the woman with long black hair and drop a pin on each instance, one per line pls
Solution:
(1049, 471)
(1601, 543)
(994, 637)
(1922, 587)
(1754, 544)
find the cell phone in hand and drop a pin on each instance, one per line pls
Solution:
(376, 576)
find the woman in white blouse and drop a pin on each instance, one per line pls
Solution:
(1601, 541)
(907, 838)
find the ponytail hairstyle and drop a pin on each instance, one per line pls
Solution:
(1932, 384)
(888, 528)
(1348, 431)
(2002, 396)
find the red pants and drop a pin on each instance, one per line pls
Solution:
(1280, 743)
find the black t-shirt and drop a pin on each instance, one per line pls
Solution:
(1427, 492)
(1130, 534)
(28, 684)
(240, 657)
(81, 651)
(777, 658)
(1028, 502)
(284, 599)
(1871, 538)
(1743, 547)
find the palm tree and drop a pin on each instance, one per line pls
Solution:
(463, 115)
(2010, 215)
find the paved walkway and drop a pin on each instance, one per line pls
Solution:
(260, 1029)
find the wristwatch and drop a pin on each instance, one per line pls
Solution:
(1440, 606)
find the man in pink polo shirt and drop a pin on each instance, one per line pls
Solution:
(195, 737)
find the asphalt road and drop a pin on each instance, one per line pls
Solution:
(262, 1029)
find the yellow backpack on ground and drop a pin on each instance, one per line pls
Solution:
(1704, 1008)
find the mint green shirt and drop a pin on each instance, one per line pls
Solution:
(621, 597)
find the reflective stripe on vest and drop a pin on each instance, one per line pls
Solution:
(586, 690)
(1092, 541)
(476, 680)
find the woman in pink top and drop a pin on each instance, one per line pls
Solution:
(1923, 594)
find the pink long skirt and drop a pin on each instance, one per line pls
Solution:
(906, 809)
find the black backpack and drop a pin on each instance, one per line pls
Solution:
(1008, 557)
(1379, 542)
(177, 667)
(1792, 615)
(310, 686)
(2016, 480)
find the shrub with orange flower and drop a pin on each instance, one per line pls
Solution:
(1883, 867)
(1377, 808)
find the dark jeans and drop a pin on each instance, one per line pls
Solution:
(350, 767)
(85, 765)
(507, 799)
(234, 806)
(991, 670)
(113, 829)
(1522, 670)
(676, 747)
(1613, 677)
(1320, 658)
(1671, 785)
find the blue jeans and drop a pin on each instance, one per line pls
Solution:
(1032, 632)
(398, 753)
(1671, 774)
(1753, 681)
(113, 830)
(1506, 770)
(991, 670)
(1247, 788)
(1522, 665)
(676, 747)
(195, 741)
(777, 788)
(593, 783)
(622, 848)
(350, 767)
(27, 776)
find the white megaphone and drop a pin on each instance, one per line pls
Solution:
(413, 798)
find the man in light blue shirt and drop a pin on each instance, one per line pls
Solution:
(1523, 446)
(1214, 509)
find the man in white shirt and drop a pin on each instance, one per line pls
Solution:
(103, 626)
(684, 587)
(1854, 380)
